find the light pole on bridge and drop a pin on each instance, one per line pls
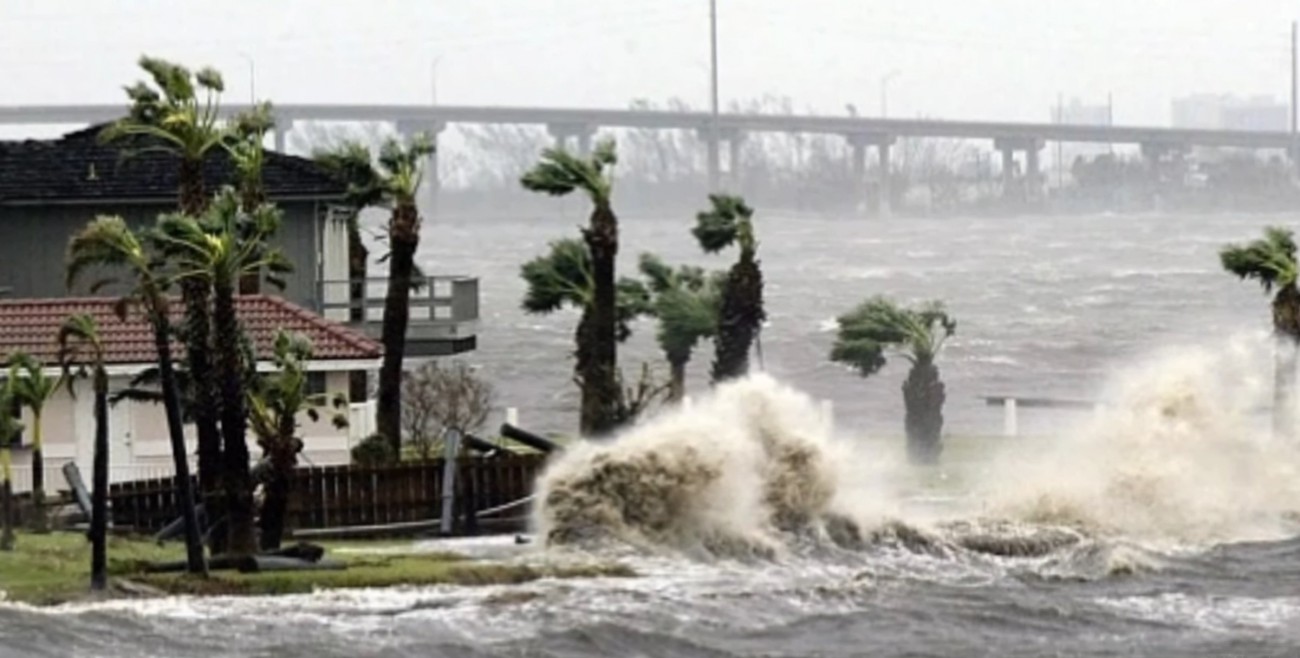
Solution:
(884, 92)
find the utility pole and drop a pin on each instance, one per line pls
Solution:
(252, 79)
(884, 92)
(1060, 156)
(714, 143)
(433, 79)
(1295, 78)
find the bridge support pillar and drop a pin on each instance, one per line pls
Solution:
(884, 188)
(713, 158)
(431, 181)
(280, 134)
(1030, 183)
(572, 137)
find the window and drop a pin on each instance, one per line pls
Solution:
(315, 383)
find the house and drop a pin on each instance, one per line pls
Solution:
(139, 443)
(49, 189)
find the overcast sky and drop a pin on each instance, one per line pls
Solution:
(960, 59)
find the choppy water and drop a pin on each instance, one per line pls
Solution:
(1045, 305)
(1166, 525)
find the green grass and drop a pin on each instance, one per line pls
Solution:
(55, 568)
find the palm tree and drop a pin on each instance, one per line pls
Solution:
(1271, 261)
(219, 249)
(560, 173)
(350, 162)
(274, 405)
(171, 117)
(10, 428)
(686, 302)
(741, 315)
(917, 335)
(33, 388)
(108, 242)
(82, 350)
(248, 131)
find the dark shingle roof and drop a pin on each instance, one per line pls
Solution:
(32, 326)
(78, 167)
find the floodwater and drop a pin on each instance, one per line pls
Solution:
(1166, 524)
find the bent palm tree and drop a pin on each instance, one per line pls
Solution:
(394, 183)
(917, 335)
(686, 302)
(558, 174)
(741, 315)
(1271, 261)
(10, 428)
(33, 388)
(80, 351)
(170, 116)
(274, 405)
(219, 249)
(108, 242)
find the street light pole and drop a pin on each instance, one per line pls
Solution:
(714, 144)
(433, 80)
(884, 92)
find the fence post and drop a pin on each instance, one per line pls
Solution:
(1010, 422)
(451, 443)
(512, 416)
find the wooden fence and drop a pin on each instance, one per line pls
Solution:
(333, 496)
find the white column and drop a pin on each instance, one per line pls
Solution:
(1010, 422)
(512, 416)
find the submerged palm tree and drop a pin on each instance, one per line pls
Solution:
(558, 174)
(81, 352)
(917, 335)
(740, 318)
(180, 114)
(108, 242)
(686, 301)
(32, 389)
(219, 249)
(1271, 261)
(10, 428)
(275, 403)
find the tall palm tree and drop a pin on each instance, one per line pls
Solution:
(108, 242)
(248, 131)
(916, 335)
(219, 249)
(10, 428)
(351, 163)
(730, 221)
(33, 388)
(81, 350)
(180, 114)
(558, 174)
(686, 301)
(1271, 261)
(275, 404)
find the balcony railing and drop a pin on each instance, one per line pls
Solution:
(443, 307)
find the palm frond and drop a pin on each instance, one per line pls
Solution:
(1270, 260)
(560, 277)
(723, 224)
(879, 325)
(560, 173)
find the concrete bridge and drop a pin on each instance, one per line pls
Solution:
(570, 126)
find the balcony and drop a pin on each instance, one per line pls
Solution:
(444, 311)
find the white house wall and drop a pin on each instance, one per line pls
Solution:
(139, 444)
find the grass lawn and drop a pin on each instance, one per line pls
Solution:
(55, 568)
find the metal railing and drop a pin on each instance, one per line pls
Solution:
(439, 300)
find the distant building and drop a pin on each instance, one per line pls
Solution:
(1228, 112)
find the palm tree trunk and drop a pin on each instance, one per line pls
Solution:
(99, 495)
(198, 359)
(180, 459)
(7, 505)
(677, 378)
(923, 398)
(357, 265)
(40, 523)
(234, 422)
(193, 196)
(1286, 325)
(404, 238)
(739, 319)
(600, 378)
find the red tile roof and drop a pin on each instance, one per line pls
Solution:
(32, 326)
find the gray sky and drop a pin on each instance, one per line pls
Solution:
(960, 59)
